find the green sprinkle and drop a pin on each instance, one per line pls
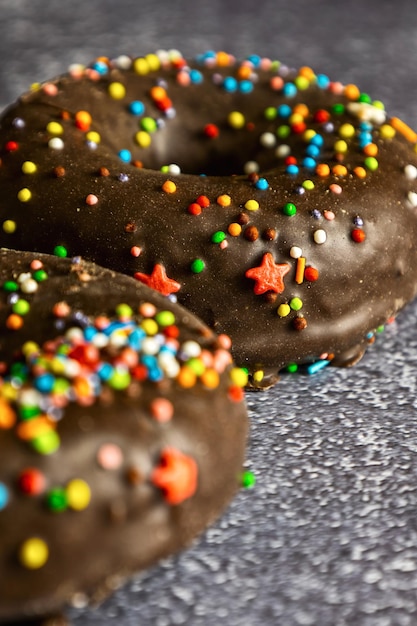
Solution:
(165, 318)
(292, 368)
(28, 412)
(283, 131)
(21, 307)
(338, 109)
(371, 163)
(148, 124)
(270, 113)
(47, 443)
(380, 329)
(124, 310)
(365, 98)
(308, 184)
(40, 275)
(218, 236)
(248, 479)
(120, 379)
(197, 266)
(10, 285)
(56, 500)
(196, 365)
(61, 251)
(289, 209)
(296, 304)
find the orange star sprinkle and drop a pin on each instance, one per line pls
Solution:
(269, 276)
(159, 280)
(176, 475)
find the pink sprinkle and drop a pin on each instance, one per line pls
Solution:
(276, 83)
(91, 199)
(147, 309)
(265, 64)
(221, 360)
(61, 309)
(36, 265)
(50, 89)
(336, 88)
(335, 189)
(207, 358)
(135, 251)
(110, 456)
(162, 409)
(329, 215)
(224, 341)
(92, 74)
(183, 79)
(223, 244)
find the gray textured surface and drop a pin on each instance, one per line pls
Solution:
(329, 535)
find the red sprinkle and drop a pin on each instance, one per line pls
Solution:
(358, 235)
(211, 130)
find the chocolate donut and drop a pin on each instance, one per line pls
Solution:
(276, 204)
(122, 430)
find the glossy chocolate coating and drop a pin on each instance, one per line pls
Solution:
(363, 206)
(138, 511)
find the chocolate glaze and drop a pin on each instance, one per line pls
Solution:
(134, 516)
(361, 283)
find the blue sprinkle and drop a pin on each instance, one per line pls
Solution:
(89, 333)
(196, 77)
(105, 371)
(366, 126)
(289, 90)
(44, 383)
(206, 56)
(4, 496)
(323, 81)
(155, 374)
(309, 163)
(125, 155)
(100, 67)
(317, 140)
(137, 107)
(292, 169)
(313, 151)
(364, 138)
(136, 337)
(230, 84)
(262, 183)
(113, 326)
(358, 221)
(123, 178)
(315, 213)
(255, 59)
(284, 110)
(245, 86)
(313, 368)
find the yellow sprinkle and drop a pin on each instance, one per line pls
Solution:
(169, 186)
(236, 119)
(30, 347)
(309, 134)
(28, 167)
(8, 392)
(78, 494)
(150, 327)
(33, 553)
(9, 227)
(284, 310)
(387, 131)
(93, 136)
(258, 376)
(302, 83)
(347, 131)
(224, 200)
(24, 195)
(54, 128)
(340, 146)
(153, 62)
(238, 376)
(117, 91)
(143, 139)
(404, 129)
(252, 205)
(141, 66)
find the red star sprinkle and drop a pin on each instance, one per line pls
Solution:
(176, 475)
(269, 276)
(159, 280)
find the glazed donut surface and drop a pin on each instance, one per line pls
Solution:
(277, 205)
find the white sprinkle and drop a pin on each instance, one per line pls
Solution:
(123, 62)
(56, 143)
(283, 151)
(250, 167)
(412, 199)
(320, 236)
(190, 349)
(296, 252)
(174, 169)
(367, 112)
(410, 172)
(268, 140)
(29, 286)
(24, 276)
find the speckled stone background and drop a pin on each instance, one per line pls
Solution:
(328, 537)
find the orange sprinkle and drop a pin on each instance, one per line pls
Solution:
(34, 427)
(186, 377)
(301, 109)
(360, 172)
(322, 170)
(158, 93)
(210, 378)
(306, 72)
(404, 129)
(223, 59)
(235, 393)
(83, 120)
(14, 322)
(244, 72)
(339, 170)
(299, 272)
(81, 387)
(234, 229)
(352, 92)
(371, 149)
(224, 200)
(169, 186)
(7, 415)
